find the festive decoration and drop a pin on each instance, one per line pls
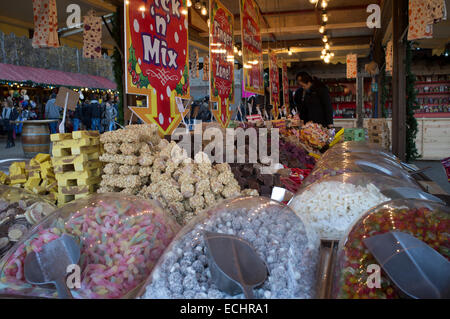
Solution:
(389, 57)
(252, 47)
(352, 66)
(45, 24)
(411, 106)
(156, 56)
(92, 36)
(221, 85)
(274, 84)
(285, 87)
(205, 69)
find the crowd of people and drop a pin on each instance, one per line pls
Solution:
(93, 112)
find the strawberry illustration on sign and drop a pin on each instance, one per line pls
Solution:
(274, 81)
(221, 84)
(157, 59)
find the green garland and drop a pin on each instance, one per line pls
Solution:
(411, 105)
(118, 64)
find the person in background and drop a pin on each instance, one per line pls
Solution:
(77, 116)
(110, 115)
(9, 113)
(298, 96)
(95, 114)
(52, 112)
(316, 105)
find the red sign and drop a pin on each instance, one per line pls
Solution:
(284, 76)
(274, 81)
(156, 55)
(221, 51)
(252, 55)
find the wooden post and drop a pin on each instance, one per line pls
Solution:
(399, 23)
(123, 48)
(360, 100)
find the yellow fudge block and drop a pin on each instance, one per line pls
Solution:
(4, 179)
(41, 157)
(79, 181)
(69, 151)
(34, 174)
(50, 184)
(76, 143)
(17, 168)
(18, 179)
(78, 166)
(85, 134)
(33, 165)
(48, 173)
(60, 137)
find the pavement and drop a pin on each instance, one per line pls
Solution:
(435, 173)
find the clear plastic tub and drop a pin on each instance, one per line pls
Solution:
(359, 147)
(121, 239)
(330, 205)
(20, 210)
(427, 221)
(273, 229)
(333, 166)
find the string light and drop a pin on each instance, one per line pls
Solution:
(189, 3)
(204, 11)
(184, 11)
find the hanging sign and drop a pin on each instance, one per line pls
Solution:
(252, 55)
(92, 36)
(45, 24)
(221, 83)
(284, 76)
(194, 64)
(274, 84)
(205, 69)
(157, 60)
(352, 66)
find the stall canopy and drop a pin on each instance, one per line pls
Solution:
(16, 73)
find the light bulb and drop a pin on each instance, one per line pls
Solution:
(327, 59)
(322, 29)
(198, 5)
(204, 11)
(184, 11)
(235, 49)
(189, 3)
(327, 46)
(324, 4)
(324, 51)
(240, 53)
(324, 17)
(290, 52)
(325, 39)
(332, 54)
(313, 1)
(142, 8)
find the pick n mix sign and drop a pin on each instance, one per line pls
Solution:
(221, 84)
(252, 47)
(157, 60)
(274, 80)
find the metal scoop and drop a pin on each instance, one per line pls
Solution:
(234, 264)
(49, 266)
(417, 270)
(410, 193)
(281, 195)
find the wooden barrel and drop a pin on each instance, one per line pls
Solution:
(35, 138)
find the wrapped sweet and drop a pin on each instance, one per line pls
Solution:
(274, 231)
(314, 135)
(121, 239)
(427, 221)
(20, 210)
(330, 206)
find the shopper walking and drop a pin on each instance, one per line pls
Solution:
(298, 96)
(52, 112)
(9, 114)
(316, 105)
(95, 113)
(110, 115)
(77, 117)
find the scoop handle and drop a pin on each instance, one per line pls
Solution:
(248, 292)
(63, 291)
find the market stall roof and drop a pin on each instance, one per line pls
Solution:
(16, 73)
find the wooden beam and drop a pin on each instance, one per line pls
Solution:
(304, 28)
(399, 22)
(16, 22)
(320, 48)
(100, 4)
